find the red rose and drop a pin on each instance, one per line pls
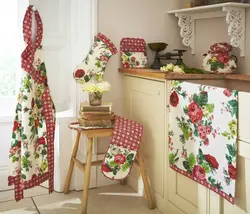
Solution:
(79, 73)
(232, 171)
(199, 172)
(16, 125)
(120, 159)
(208, 129)
(126, 65)
(105, 168)
(19, 144)
(195, 112)
(174, 99)
(133, 59)
(206, 142)
(41, 141)
(227, 92)
(222, 58)
(210, 159)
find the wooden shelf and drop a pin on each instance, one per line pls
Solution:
(157, 74)
(235, 18)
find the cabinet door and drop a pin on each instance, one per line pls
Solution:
(183, 192)
(145, 102)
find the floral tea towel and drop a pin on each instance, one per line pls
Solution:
(31, 158)
(133, 53)
(123, 148)
(202, 135)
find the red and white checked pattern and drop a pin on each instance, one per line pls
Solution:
(127, 133)
(48, 110)
(108, 42)
(133, 45)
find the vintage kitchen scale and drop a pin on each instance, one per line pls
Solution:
(161, 46)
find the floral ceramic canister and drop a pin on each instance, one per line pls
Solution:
(133, 53)
(218, 60)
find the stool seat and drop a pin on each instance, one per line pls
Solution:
(86, 167)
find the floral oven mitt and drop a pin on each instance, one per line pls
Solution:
(123, 148)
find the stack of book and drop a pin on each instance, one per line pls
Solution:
(96, 116)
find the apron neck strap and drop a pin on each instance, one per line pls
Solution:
(27, 27)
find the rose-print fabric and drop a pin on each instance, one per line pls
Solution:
(96, 61)
(32, 146)
(123, 148)
(202, 135)
(133, 53)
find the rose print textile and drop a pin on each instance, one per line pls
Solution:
(202, 135)
(32, 150)
(123, 148)
(96, 61)
(133, 53)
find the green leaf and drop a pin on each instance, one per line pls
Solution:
(171, 158)
(112, 164)
(128, 53)
(210, 108)
(185, 110)
(86, 78)
(185, 165)
(201, 156)
(232, 150)
(130, 157)
(206, 167)
(185, 132)
(98, 64)
(196, 98)
(13, 135)
(229, 159)
(24, 137)
(23, 176)
(233, 106)
(191, 160)
(203, 99)
(125, 166)
(224, 134)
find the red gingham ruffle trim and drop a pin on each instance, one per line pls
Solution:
(108, 42)
(206, 184)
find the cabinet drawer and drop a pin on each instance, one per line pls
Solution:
(147, 86)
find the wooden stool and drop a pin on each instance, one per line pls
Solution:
(86, 168)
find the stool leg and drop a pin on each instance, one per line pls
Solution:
(145, 181)
(87, 172)
(72, 163)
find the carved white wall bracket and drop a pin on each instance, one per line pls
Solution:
(235, 18)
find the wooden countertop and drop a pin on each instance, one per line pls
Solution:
(157, 74)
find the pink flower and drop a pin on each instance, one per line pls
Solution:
(195, 112)
(208, 129)
(206, 142)
(133, 59)
(203, 135)
(120, 159)
(201, 128)
(227, 92)
(199, 172)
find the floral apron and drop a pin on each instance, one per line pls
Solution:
(32, 145)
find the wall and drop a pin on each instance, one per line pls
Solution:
(140, 18)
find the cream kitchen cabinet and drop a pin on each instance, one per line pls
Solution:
(146, 100)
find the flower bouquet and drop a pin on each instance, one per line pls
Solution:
(95, 91)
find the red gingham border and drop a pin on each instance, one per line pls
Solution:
(206, 184)
(108, 42)
(133, 45)
(48, 111)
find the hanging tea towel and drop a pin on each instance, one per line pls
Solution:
(123, 148)
(202, 135)
(32, 145)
